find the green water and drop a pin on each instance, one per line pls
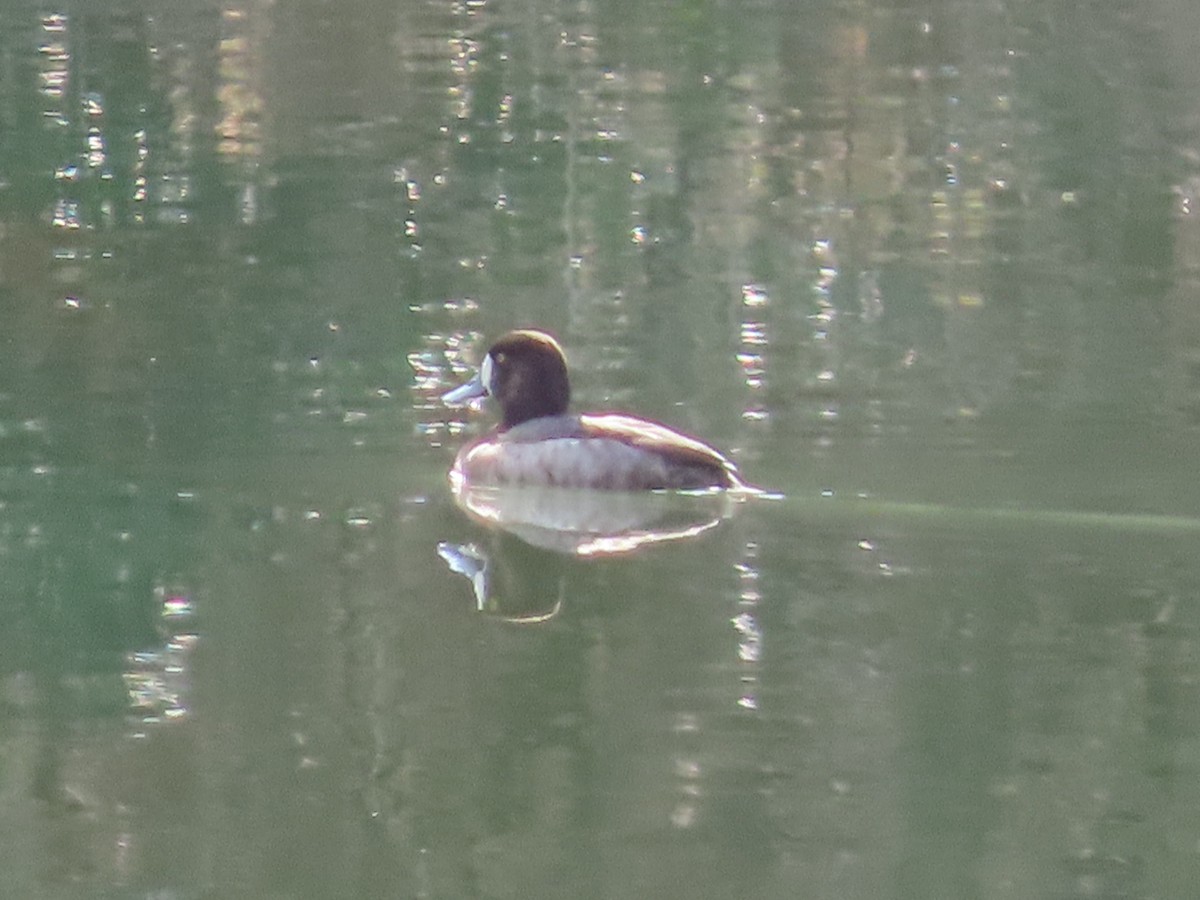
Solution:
(927, 271)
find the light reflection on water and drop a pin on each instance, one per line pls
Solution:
(914, 273)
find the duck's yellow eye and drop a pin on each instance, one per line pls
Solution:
(500, 358)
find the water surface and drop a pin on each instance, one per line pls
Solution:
(927, 271)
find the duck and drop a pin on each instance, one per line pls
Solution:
(539, 442)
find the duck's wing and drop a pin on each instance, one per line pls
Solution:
(661, 458)
(676, 448)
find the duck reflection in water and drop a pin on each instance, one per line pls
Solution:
(580, 485)
(538, 530)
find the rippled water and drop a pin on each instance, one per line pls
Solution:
(928, 272)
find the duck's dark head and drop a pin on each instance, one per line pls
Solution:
(526, 372)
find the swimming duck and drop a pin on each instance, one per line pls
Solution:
(539, 443)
